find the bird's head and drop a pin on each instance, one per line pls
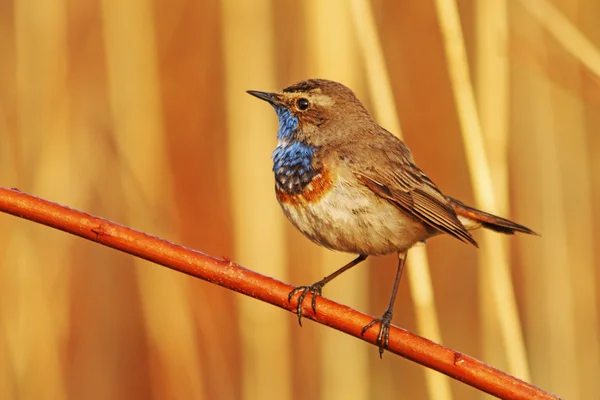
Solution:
(317, 111)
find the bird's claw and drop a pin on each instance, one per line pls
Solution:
(383, 338)
(315, 289)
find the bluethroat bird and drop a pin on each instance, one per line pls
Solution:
(349, 185)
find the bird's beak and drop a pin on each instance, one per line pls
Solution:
(272, 98)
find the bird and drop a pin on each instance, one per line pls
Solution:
(350, 185)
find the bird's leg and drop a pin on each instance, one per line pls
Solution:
(383, 338)
(317, 287)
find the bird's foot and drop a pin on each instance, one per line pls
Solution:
(315, 289)
(383, 339)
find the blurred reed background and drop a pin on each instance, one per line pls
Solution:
(135, 111)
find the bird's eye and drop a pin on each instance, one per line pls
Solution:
(302, 104)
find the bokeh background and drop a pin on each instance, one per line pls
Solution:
(135, 111)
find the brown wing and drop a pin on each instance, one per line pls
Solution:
(406, 186)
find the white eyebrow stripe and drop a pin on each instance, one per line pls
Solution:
(322, 100)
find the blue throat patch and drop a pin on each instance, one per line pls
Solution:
(292, 159)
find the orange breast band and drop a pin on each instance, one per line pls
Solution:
(318, 187)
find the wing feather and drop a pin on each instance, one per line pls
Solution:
(431, 209)
(390, 172)
(410, 189)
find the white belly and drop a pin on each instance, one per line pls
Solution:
(355, 220)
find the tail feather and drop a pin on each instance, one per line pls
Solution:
(487, 220)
